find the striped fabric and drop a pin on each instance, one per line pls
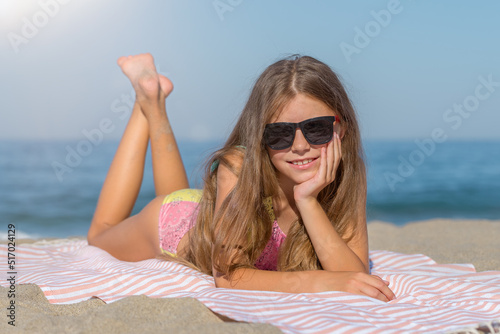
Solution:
(431, 298)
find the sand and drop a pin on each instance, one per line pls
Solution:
(444, 240)
(135, 314)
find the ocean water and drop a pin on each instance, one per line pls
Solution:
(50, 189)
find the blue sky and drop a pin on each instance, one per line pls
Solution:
(410, 67)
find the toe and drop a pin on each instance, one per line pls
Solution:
(121, 60)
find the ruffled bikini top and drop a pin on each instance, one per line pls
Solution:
(268, 259)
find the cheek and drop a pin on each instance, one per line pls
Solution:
(279, 162)
(276, 160)
(274, 156)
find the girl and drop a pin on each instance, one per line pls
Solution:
(283, 205)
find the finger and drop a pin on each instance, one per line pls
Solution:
(382, 286)
(378, 277)
(331, 159)
(322, 164)
(338, 153)
(384, 289)
(388, 293)
(339, 146)
(334, 163)
(373, 292)
(383, 280)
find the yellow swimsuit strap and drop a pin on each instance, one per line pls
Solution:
(268, 204)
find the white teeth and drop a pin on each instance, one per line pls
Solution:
(303, 162)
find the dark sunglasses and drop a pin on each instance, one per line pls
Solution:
(317, 131)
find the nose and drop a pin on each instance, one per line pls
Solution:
(300, 143)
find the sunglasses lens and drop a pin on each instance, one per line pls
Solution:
(318, 132)
(278, 136)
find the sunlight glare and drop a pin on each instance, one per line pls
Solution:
(13, 11)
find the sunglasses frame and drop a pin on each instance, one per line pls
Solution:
(300, 125)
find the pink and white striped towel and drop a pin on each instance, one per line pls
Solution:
(431, 298)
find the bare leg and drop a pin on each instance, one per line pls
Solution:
(124, 178)
(168, 170)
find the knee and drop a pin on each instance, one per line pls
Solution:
(95, 230)
(91, 235)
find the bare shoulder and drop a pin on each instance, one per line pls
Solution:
(227, 174)
(233, 160)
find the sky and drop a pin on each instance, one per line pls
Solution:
(413, 69)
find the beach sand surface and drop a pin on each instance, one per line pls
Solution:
(444, 240)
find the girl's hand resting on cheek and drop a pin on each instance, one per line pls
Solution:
(330, 158)
(353, 282)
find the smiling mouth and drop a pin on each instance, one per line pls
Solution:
(302, 162)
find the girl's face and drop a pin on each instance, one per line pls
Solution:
(300, 162)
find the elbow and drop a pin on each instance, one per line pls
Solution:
(366, 264)
(219, 284)
(220, 281)
(368, 267)
(363, 268)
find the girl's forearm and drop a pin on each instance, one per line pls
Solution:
(308, 282)
(264, 280)
(333, 253)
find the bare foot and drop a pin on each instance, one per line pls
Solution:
(149, 86)
(165, 85)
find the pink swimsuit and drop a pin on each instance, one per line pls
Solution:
(178, 215)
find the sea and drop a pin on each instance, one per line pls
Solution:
(49, 189)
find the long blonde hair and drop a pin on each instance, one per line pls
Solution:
(236, 235)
